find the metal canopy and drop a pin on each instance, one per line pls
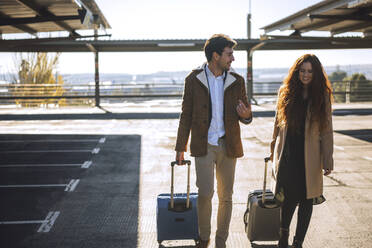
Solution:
(34, 16)
(335, 16)
(266, 43)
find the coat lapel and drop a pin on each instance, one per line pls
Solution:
(230, 79)
(203, 78)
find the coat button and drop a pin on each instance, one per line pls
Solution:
(205, 106)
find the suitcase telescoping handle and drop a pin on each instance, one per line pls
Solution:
(264, 184)
(188, 162)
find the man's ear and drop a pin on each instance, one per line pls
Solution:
(215, 56)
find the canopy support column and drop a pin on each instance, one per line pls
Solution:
(96, 72)
(249, 76)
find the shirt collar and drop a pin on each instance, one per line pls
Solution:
(210, 74)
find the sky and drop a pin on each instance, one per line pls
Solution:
(192, 19)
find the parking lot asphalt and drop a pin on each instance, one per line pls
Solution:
(78, 179)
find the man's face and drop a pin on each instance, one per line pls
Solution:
(225, 59)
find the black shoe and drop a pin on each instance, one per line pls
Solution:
(297, 243)
(202, 243)
(283, 240)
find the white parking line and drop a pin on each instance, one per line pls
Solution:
(368, 158)
(49, 221)
(68, 187)
(102, 140)
(72, 185)
(46, 224)
(84, 165)
(96, 150)
(21, 222)
(339, 148)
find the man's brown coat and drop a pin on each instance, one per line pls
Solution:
(196, 114)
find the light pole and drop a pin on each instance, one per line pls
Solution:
(249, 20)
(249, 58)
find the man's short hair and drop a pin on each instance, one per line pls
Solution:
(217, 43)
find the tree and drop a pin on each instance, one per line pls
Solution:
(35, 77)
(338, 85)
(359, 87)
(337, 76)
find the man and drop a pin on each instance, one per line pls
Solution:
(214, 101)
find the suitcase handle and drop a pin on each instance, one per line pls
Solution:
(264, 184)
(188, 162)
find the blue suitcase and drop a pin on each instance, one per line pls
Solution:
(176, 214)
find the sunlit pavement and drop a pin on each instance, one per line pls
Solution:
(344, 220)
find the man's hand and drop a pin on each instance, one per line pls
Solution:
(244, 111)
(327, 172)
(180, 157)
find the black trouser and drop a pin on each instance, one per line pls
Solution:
(305, 209)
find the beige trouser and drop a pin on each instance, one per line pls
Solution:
(225, 173)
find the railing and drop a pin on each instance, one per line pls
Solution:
(56, 95)
(353, 91)
(347, 91)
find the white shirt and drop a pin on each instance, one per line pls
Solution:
(216, 128)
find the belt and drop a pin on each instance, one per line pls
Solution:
(222, 137)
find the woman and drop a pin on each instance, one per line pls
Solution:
(302, 144)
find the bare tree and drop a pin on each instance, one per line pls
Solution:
(35, 77)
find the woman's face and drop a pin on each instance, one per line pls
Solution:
(306, 73)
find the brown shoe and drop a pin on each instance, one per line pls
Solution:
(202, 243)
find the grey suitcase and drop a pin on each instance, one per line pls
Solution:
(262, 217)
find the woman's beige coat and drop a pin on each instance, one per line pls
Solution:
(318, 152)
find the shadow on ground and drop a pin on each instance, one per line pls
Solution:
(187, 246)
(263, 246)
(103, 116)
(102, 211)
(362, 134)
(141, 115)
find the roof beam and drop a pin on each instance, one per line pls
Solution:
(350, 28)
(314, 26)
(285, 23)
(36, 19)
(46, 13)
(313, 38)
(23, 28)
(272, 43)
(352, 17)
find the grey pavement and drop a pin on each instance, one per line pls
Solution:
(115, 203)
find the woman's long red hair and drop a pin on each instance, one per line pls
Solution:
(289, 112)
